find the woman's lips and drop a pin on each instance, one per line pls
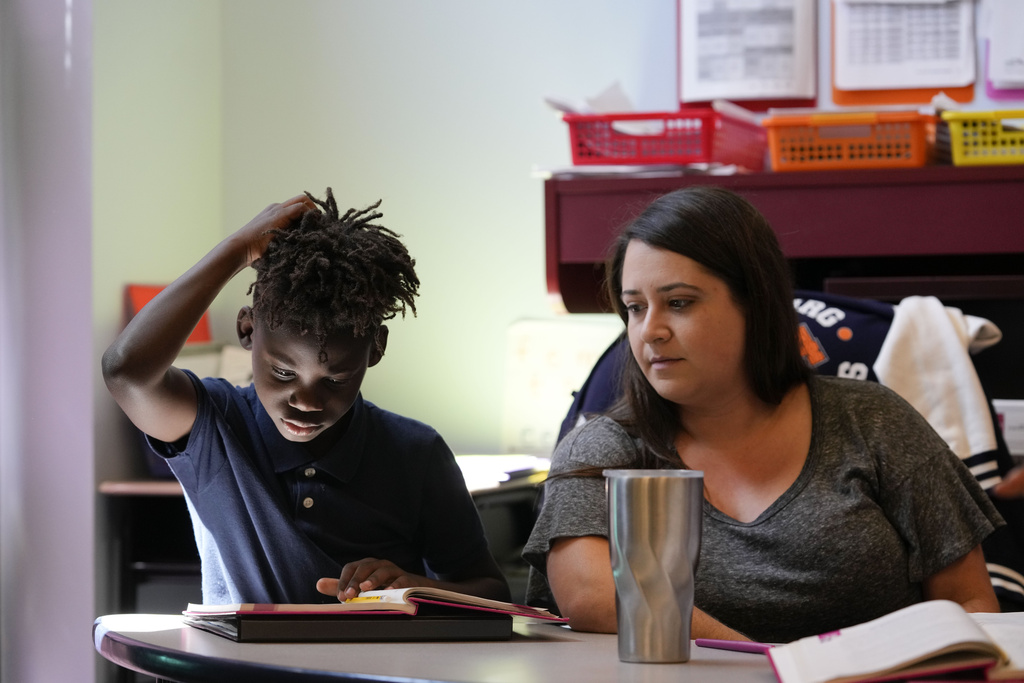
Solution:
(661, 363)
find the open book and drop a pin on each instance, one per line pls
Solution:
(926, 640)
(418, 613)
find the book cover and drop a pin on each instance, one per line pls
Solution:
(418, 613)
(354, 626)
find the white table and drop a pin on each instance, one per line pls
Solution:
(164, 647)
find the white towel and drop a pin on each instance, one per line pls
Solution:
(925, 359)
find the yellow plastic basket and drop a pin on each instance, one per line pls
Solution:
(981, 138)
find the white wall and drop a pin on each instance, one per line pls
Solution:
(436, 108)
(157, 189)
(204, 112)
(46, 358)
(156, 167)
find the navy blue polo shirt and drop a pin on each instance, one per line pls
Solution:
(270, 519)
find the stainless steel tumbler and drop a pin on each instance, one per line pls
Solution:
(654, 532)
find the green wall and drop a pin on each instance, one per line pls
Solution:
(157, 168)
(205, 112)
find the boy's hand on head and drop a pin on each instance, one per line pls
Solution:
(257, 233)
(366, 575)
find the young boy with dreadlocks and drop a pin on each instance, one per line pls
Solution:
(298, 488)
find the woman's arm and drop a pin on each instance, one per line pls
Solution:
(965, 581)
(579, 572)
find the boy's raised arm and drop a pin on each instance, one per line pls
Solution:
(137, 368)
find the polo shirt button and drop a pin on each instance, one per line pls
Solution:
(310, 471)
(307, 503)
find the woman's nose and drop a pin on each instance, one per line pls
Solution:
(653, 328)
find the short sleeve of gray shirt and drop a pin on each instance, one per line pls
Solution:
(880, 505)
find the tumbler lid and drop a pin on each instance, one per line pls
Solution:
(686, 474)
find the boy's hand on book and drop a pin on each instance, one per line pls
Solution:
(366, 575)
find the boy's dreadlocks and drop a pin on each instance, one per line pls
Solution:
(332, 273)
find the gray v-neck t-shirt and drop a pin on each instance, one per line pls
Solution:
(880, 504)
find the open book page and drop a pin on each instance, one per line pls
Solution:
(1007, 630)
(391, 603)
(890, 643)
(439, 595)
(403, 594)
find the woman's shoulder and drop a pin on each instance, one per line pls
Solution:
(858, 393)
(596, 430)
(598, 442)
(848, 411)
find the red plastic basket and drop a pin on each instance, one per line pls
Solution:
(683, 137)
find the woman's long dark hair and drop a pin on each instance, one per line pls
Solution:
(724, 233)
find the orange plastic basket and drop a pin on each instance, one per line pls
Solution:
(683, 137)
(848, 140)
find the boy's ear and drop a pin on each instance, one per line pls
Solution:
(244, 327)
(378, 345)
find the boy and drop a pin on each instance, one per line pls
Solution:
(296, 478)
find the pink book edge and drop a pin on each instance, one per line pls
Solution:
(919, 676)
(264, 612)
(265, 609)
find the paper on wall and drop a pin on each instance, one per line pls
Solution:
(746, 49)
(890, 44)
(1006, 43)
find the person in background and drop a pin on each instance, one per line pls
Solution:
(828, 501)
(298, 488)
(1012, 486)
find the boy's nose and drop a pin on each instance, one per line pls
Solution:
(305, 399)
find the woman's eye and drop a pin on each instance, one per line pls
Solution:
(678, 304)
(633, 308)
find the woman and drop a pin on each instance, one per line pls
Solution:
(828, 502)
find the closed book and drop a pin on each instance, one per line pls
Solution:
(405, 614)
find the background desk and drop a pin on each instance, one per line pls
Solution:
(164, 647)
(952, 232)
